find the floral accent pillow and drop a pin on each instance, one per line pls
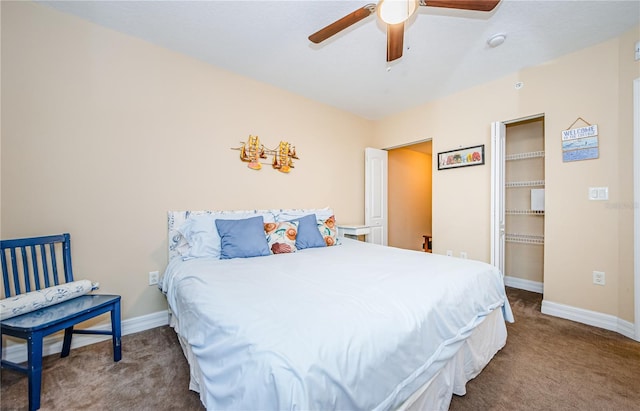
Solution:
(281, 236)
(328, 230)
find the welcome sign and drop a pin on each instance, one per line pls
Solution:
(581, 132)
(580, 143)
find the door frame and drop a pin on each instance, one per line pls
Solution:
(636, 204)
(498, 164)
(413, 143)
(498, 134)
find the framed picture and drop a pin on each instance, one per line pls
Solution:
(461, 157)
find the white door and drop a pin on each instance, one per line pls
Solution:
(498, 134)
(375, 193)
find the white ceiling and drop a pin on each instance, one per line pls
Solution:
(445, 49)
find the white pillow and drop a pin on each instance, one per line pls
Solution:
(202, 235)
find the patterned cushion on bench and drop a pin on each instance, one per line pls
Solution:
(34, 300)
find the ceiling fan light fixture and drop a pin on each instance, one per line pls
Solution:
(396, 11)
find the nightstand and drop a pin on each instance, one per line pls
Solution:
(354, 231)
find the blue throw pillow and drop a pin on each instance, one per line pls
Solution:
(308, 234)
(242, 238)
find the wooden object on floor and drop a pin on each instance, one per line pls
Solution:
(428, 243)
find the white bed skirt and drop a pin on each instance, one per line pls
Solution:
(476, 352)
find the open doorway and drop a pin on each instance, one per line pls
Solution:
(409, 196)
(518, 206)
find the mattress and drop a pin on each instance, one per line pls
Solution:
(355, 326)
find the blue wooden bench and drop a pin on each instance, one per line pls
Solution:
(30, 264)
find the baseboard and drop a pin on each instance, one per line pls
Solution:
(53, 344)
(522, 284)
(594, 318)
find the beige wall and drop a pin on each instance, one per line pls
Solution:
(580, 235)
(409, 196)
(103, 133)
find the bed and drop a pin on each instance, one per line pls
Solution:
(343, 326)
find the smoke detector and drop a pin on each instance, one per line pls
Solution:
(496, 40)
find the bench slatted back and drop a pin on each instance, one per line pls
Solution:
(30, 264)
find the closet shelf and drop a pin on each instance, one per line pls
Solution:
(522, 156)
(524, 212)
(534, 183)
(524, 238)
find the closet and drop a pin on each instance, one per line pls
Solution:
(524, 183)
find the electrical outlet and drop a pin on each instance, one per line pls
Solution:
(598, 277)
(153, 277)
(449, 253)
(463, 254)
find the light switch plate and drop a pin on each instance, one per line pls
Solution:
(603, 193)
(598, 193)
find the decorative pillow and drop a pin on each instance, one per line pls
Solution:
(202, 235)
(242, 238)
(308, 234)
(34, 300)
(328, 230)
(281, 236)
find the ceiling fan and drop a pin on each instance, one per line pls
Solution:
(394, 13)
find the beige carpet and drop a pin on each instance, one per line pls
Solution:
(555, 364)
(547, 364)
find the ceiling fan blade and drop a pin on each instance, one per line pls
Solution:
(395, 40)
(339, 25)
(478, 5)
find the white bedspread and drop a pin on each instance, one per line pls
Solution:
(351, 327)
